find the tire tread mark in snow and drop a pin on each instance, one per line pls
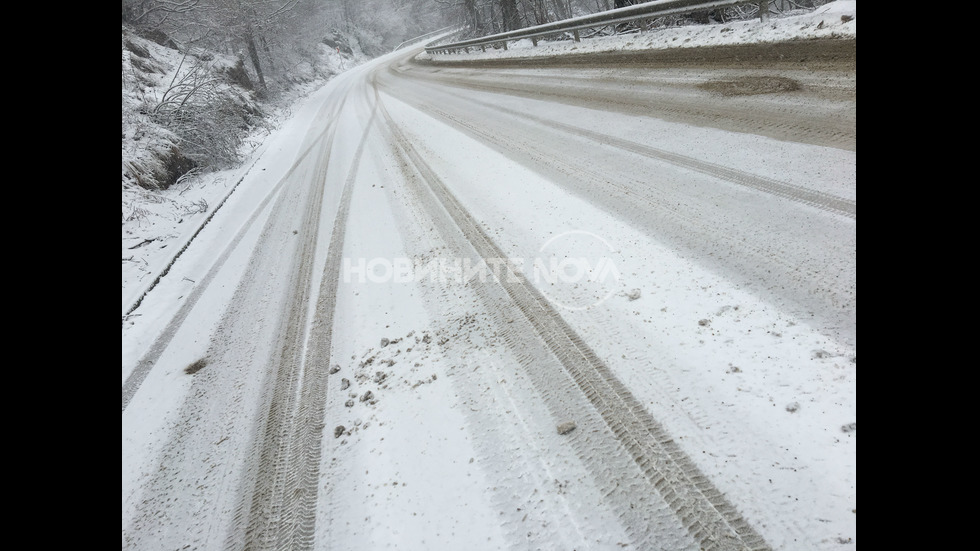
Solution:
(520, 471)
(508, 460)
(710, 519)
(283, 504)
(275, 477)
(818, 199)
(146, 363)
(282, 511)
(313, 398)
(214, 399)
(651, 197)
(814, 198)
(829, 131)
(819, 282)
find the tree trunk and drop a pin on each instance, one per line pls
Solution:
(253, 53)
(561, 9)
(508, 10)
(472, 17)
(495, 22)
(348, 16)
(540, 12)
(268, 53)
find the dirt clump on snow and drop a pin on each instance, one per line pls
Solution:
(196, 366)
(751, 85)
(566, 427)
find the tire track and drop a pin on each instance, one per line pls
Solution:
(799, 194)
(778, 123)
(822, 288)
(283, 504)
(707, 515)
(317, 362)
(275, 480)
(160, 344)
(195, 459)
(655, 200)
(615, 478)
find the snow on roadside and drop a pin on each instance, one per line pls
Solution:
(157, 224)
(833, 20)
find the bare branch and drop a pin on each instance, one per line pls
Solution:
(168, 6)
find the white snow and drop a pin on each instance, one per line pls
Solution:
(833, 20)
(416, 470)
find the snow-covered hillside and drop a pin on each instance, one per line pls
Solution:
(177, 167)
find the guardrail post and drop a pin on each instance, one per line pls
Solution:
(483, 48)
(575, 34)
(505, 44)
(534, 40)
(764, 10)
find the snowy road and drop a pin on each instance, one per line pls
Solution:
(435, 271)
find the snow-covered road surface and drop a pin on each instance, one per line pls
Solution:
(433, 272)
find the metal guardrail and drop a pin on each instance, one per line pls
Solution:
(443, 30)
(649, 10)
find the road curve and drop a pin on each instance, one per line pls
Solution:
(334, 411)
